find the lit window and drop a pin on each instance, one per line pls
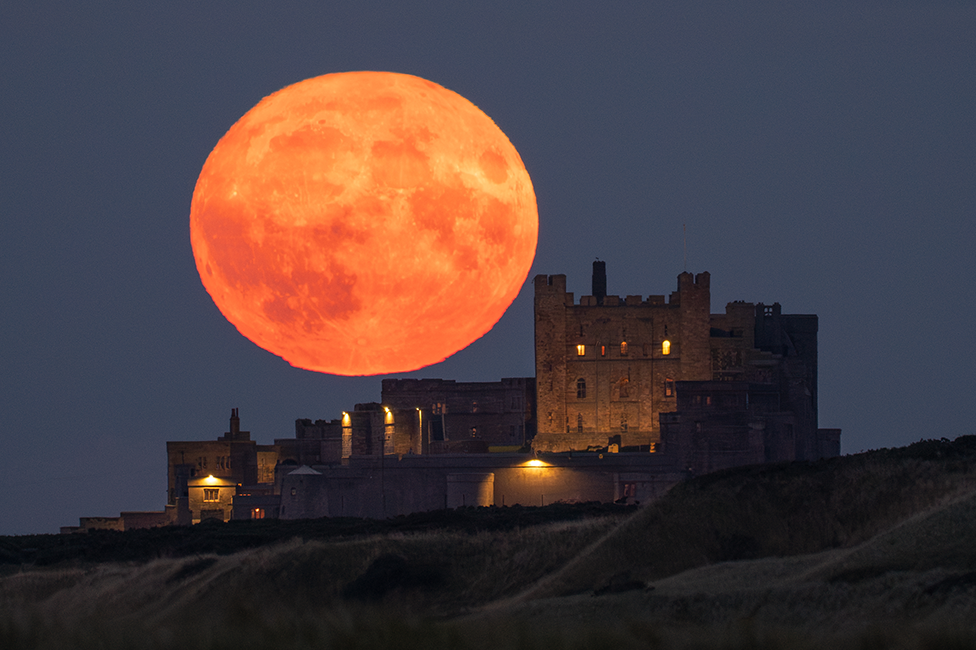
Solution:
(623, 348)
(603, 350)
(666, 347)
(580, 350)
(257, 513)
(580, 388)
(669, 388)
(211, 495)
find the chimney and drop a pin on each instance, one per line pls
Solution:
(599, 281)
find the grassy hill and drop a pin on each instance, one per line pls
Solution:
(872, 550)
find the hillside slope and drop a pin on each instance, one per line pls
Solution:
(881, 543)
(772, 511)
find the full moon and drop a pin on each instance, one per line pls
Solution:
(363, 223)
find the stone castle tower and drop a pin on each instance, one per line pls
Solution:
(607, 366)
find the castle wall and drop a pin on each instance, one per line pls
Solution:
(606, 367)
(390, 486)
(495, 413)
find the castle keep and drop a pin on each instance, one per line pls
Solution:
(630, 396)
(667, 375)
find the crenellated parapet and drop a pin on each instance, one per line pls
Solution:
(606, 365)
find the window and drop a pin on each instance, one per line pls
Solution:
(603, 350)
(666, 347)
(257, 513)
(623, 421)
(580, 388)
(623, 348)
(211, 495)
(579, 423)
(669, 387)
(624, 387)
(580, 350)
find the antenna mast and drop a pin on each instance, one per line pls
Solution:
(684, 237)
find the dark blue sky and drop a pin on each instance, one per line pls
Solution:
(822, 155)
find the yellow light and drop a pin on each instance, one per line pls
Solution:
(666, 347)
(210, 480)
(580, 350)
(535, 463)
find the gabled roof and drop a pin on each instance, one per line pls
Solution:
(304, 469)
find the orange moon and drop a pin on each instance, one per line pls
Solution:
(363, 223)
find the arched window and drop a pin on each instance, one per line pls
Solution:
(624, 384)
(666, 347)
(579, 423)
(623, 348)
(580, 388)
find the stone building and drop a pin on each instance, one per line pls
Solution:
(472, 416)
(608, 366)
(631, 395)
(630, 370)
(209, 473)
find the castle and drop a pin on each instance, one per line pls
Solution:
(631, 395)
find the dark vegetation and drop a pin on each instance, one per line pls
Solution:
(874, 550)
(776, 510)
(225, 538)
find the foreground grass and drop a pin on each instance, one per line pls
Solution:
(871, 551)
(369, 628)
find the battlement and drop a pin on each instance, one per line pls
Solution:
(552, 284)
(627, 301)
(555, 285)
(689, 282)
